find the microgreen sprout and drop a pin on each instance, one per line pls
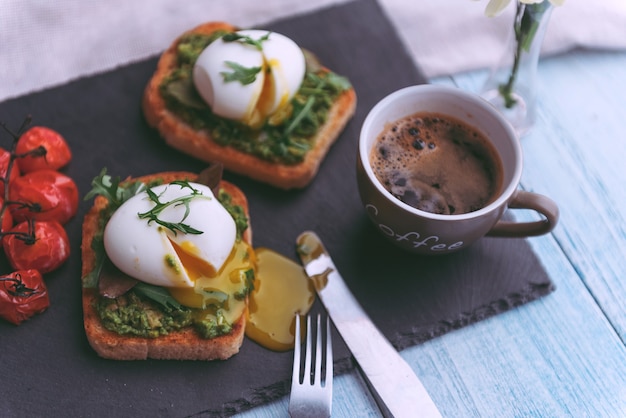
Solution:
(153, 214)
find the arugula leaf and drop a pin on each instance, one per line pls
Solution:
(157, 294)
(97, 246)
(110, 188)
(300, 115)
(339, 82)
(244, 39)
(245, 75)
(116, 194)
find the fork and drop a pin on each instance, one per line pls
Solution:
(312, 393)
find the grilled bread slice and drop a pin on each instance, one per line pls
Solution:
(180, 345)
(199, 142)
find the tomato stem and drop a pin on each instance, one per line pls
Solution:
(30, 238)
(19, 286)
(27, 238)
(40, 151)
(32, 207)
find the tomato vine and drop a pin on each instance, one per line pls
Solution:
(29, 237)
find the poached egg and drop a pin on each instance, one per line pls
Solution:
(200, 269)
(250, 75)
(194, 266)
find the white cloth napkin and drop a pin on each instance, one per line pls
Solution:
(45, 43)
(451, 36)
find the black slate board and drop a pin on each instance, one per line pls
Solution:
(46, 365)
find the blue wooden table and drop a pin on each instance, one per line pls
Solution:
(563, 355)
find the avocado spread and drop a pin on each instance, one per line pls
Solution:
(286, 142)
(137, 315)
(150, 311)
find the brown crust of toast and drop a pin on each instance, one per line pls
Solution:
(183, 137)
(181, 345)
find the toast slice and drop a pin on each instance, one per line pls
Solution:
(180, 345)
(199, 143)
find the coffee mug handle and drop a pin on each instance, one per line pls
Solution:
(528, 200)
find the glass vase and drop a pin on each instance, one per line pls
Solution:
(512, 84)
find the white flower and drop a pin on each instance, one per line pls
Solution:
(496, 6)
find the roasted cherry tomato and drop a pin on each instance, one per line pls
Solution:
(44, 195)
(42, 148)
(5, 156)
(23, 294)
(40, 245)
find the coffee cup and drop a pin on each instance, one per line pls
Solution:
(425, 232)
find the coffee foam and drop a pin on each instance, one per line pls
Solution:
(437, 163)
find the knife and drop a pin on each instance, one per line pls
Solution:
(397, 389)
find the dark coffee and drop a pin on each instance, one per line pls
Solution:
(437, 163)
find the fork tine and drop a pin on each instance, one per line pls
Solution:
(295, 377)
(311, 394)
(307, 358)
(329, 359)
(318, 354)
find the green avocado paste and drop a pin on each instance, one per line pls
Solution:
(132, 314)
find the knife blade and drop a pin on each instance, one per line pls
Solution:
(398, 390)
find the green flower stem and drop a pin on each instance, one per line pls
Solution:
(527, 20)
